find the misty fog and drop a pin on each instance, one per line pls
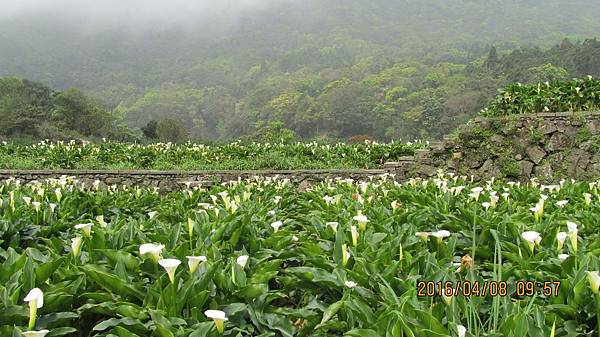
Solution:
(130, 13)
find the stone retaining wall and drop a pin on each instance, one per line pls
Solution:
(549, 146)
(171, 180)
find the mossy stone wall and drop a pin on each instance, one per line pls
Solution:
(549, 146)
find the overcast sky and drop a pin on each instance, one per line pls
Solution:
(130, 12)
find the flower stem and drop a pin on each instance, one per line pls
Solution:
(474, 232)
(32, 314)
(598, 314)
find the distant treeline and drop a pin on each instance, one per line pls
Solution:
(29, 109)
(377, 97)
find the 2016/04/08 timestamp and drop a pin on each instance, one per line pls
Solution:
(487, 288)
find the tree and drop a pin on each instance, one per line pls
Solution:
(24, 105)
(492, 60)
(150, 130)
(545, 73)
(349, 107)
(74, 111)
(171, 130)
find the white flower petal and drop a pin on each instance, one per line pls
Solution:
(242, 260)
(531, 236)
(37, 295)
(216, 314)
(441, 234)
(40, 333)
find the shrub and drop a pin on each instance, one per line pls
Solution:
(556, 96)
(274, 132)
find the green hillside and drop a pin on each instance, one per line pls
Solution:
(403, 69)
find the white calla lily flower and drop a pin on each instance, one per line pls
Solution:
(563, 257)
(538, 210)
(242, 260)
(494, 199)
(194, 262)
(190, 224)
(35, 299)
(345, 255)
(41, 333)
(475, 193)
(355, 235)
(76, 243)
(276, 225)
(594, 279)
(350, 284)
(572, 227)
(588, 198)
(423, 235)
(152, 249)
(152, 214)
(560, 238)
(218, 317)
(362, 221)
(101, 222)
(440, 235)
(532, 238)
(333, 225)
(86, 228)
(205, 205)
(170, 266)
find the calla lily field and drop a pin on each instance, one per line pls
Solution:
(236, 155)
(260, 257)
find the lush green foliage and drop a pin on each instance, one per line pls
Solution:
(382, 96)
(233, 156)
(31, 109)
(556, 96)
(304, 276)
(379, 97)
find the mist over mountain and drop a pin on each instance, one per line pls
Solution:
(323, 68)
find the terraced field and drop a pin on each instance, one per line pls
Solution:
(190, 156)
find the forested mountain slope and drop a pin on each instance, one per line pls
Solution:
(389, 69)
